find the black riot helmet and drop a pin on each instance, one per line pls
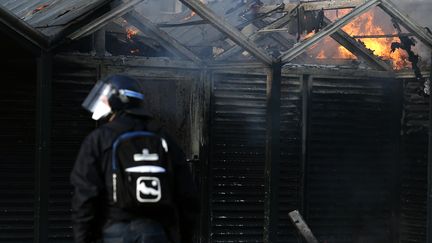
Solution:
(113, 94)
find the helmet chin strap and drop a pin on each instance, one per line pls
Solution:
(111, 118)
(115, 114)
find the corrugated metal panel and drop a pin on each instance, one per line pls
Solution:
(17, 153)
(290, 167)
(349, 181)
(52, 16)
(71, 123)
(237, 158)
(414, 180)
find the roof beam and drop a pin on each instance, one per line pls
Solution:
(256, 36)
(219, 23)
(318, 5)
(328, 30)
(104, 19)
(358, 49)
(171, 44)
(406, 22)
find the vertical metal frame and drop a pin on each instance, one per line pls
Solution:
(207, 217)
(395, 94)
(205, 85)
(429, 172)
(43, 146)
(305, 127)
(272, 162)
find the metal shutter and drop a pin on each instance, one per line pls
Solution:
(290, 167)
(350, 161)
(71, 123)
(414, 180)
(17, 151)
(238, 132)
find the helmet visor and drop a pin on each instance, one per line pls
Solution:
(97, 100)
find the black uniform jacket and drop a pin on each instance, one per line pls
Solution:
(92, 204)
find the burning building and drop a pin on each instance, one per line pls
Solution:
(315, 106)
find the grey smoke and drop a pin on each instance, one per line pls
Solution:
(419, 10)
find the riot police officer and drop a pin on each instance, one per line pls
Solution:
(95, 214)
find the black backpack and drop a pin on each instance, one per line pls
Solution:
(142, 171)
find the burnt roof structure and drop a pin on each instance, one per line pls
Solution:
(49, 23)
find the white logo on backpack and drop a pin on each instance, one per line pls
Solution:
(146, 156)
(148, 189)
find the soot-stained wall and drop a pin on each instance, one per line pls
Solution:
(361, 165)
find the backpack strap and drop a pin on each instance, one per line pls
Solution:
(122, 137)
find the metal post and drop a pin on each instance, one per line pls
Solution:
(394, 94)
(306, 93)
(272, 162)
(204, 89)
(99, 42)
(429, 175)
(43, 135)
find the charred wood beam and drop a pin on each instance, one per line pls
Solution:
(328, 30)
(333, 4)
(219, 23)
(406, 22)
(302, 227)
(189, 23)
(358, 49)
(318, 5)
(381, 36)
(131, 61)
(273, 30)
(104, 19)
(242, 65)
(257, 36)
(171, 44)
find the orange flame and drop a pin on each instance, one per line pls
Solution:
(192, 13)
(131, 32)
(189, 16)
(133, 51)
(366, 24)
(40, 8)
(308, 35)
(321, 55)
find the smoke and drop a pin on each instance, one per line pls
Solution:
(421, 12)
(418, 10)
